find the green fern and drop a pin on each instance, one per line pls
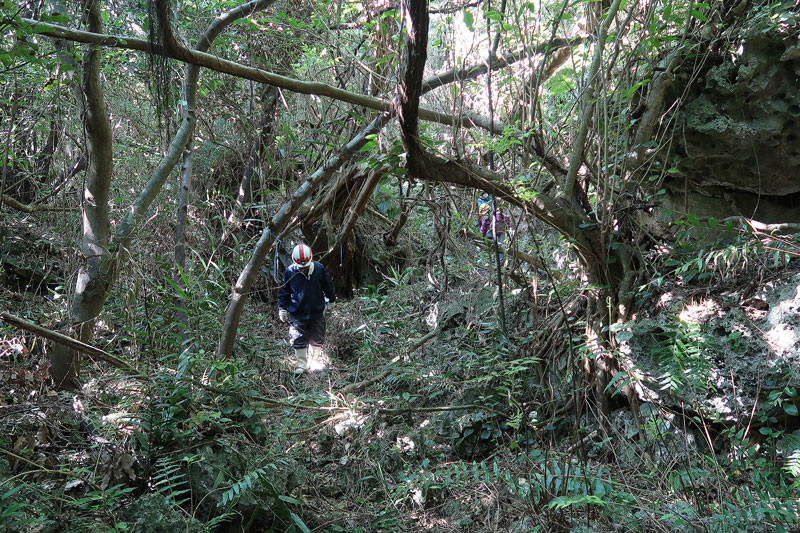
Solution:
(171, 482)
(258, 482)
(241, 487)
(684, 356)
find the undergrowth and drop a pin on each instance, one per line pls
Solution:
(470, 430)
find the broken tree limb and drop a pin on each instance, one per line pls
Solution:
(60, 338)
(383, 375)
(28, 208)
(8, 200)
(407, 410)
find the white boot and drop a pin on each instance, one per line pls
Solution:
(302, 363)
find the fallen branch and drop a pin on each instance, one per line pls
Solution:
(60, 338)
(29, 208)
(405, 410)
(760, 227)
(375, 379)
(8, 200)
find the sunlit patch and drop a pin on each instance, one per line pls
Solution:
(695, 313)
(782, 336)
(664, 299)
(405, 444)
(350, 420)
(318, 360)
(662, 250)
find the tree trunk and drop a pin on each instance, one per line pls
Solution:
(241, 288)
(96, 273)
(96, 278)
(182, 317)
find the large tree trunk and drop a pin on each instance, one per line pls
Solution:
(96, 279)
(96, 273)
(563, 213)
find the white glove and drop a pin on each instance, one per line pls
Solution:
(283, 315)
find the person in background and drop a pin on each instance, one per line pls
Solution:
(304, 292)
(502, 224)
(484, 209)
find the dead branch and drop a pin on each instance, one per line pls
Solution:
(383, 375)
(60, 338)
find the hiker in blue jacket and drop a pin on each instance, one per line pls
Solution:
(305, 291)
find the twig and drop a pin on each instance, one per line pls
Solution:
(315, 426)
(405, 410)
(75, 344)
(371, 381)
(48, 470)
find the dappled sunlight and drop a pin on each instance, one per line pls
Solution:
(405, 444)
(782, 320)
(318, 360)
(697, 313)
(350, 420)
(782, 336)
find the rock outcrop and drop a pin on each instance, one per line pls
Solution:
(736, 141)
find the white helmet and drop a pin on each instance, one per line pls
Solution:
(301, 255)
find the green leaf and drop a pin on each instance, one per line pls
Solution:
(299, 523)
(790, 409)
(12, 492)
(469, 20)
(623, 336)
(54, 18)
(630, 92)
(562, 502)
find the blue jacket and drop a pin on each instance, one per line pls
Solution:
(303, 295)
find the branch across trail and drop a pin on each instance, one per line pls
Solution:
(77, 345)
(232, 68)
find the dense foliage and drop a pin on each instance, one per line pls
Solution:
(590, 373)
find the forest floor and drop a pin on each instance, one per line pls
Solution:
(421, 417)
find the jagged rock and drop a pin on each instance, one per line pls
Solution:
(746, 350)
(737, 131)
